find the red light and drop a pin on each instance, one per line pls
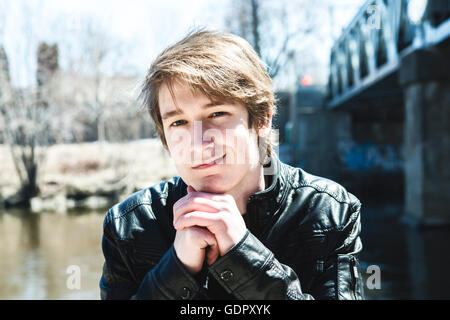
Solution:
(306, 81)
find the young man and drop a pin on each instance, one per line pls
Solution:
(237, 223)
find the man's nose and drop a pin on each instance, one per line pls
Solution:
(202, 142)
(198, 137)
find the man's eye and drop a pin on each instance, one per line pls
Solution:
(178, 123)
(217, 114)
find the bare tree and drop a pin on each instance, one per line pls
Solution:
(47, 105)
(27, 116)
(98, 61)
(98, 87)
(20, 125)
(27, 122)
(274, 28)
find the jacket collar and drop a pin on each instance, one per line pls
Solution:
(263, 205)
(272, 192)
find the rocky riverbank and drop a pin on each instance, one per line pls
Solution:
(88, 176)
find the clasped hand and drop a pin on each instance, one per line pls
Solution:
(208, 225)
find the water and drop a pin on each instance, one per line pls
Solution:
(37, 250)
(413, 261)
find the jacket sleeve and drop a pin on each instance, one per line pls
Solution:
(341, 276)
(251, 271)
(168, 279)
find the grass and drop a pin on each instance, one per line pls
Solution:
(85, 166)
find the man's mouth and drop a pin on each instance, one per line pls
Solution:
(209, 164)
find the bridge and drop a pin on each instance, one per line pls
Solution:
(390, 68)
(385, 122)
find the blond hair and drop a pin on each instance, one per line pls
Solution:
(219, 65)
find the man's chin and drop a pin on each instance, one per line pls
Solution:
(210, 186)
(211, 189)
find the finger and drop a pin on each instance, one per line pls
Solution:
(212, 253)
(196, 204)
(190, 189)
(208, 239)
(192, 193)
(212, 248)
(195, 194)
(213, 196)
(197, 218)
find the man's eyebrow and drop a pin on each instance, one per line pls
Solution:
(171, 114)
(176, 112)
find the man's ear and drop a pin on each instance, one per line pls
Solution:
(264, 131)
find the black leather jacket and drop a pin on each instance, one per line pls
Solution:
(302, 242)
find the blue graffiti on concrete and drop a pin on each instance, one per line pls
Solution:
(369, 156)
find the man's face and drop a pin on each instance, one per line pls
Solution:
(209, 140)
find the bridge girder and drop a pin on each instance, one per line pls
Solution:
(370, 49)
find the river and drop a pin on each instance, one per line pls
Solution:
(41, 253)
(38, 252)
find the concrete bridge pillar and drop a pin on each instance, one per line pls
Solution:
(425, 80)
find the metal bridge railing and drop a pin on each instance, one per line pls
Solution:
(382, 32)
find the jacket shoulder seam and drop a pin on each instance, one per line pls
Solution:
(319, 190)
(131, 209)
(353, 206)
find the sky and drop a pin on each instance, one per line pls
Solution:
(144, 27)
